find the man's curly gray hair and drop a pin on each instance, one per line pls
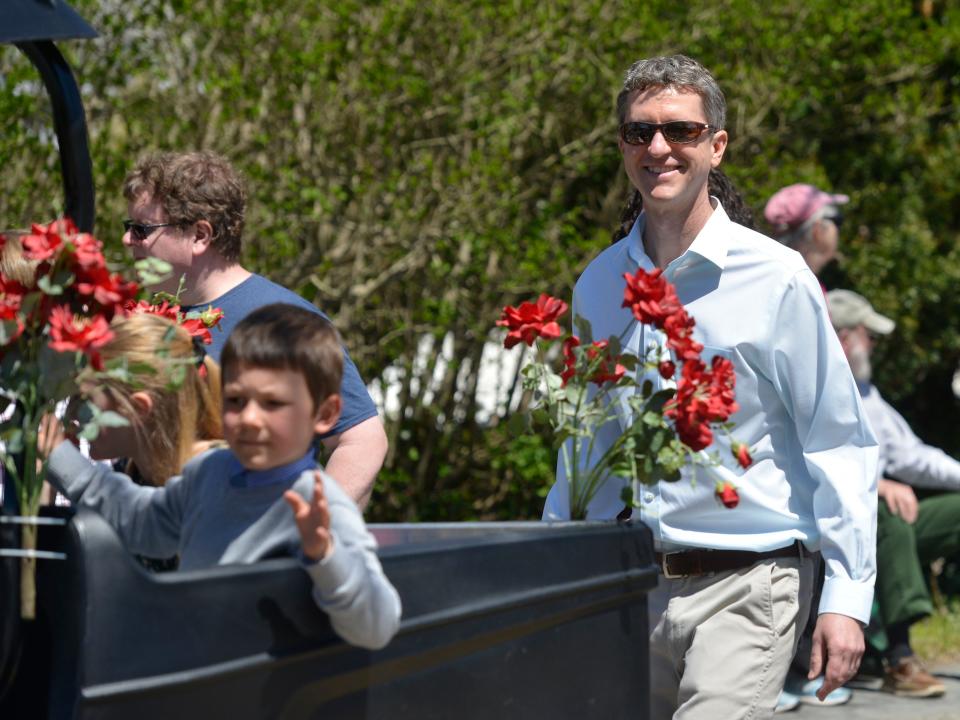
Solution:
(677, 72)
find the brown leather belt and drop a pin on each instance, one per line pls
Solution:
(686, 563)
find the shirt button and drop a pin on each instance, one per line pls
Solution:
(648, 497)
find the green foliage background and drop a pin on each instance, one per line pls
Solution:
(414, 165)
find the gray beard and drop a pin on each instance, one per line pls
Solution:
(859, 360)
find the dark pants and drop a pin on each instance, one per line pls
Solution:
(903, 550)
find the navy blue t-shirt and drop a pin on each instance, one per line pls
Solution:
(255, 292)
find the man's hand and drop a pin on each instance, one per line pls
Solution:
(313, 520)
(900, 499)
(837, 649)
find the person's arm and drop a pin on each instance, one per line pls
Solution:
(841, 455)
(900, 499)
(840, 452)
(147, 519)
(340, 556)
(907, 457)
(356, 456)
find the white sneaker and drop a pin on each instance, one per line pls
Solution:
(806, 692)
(786, 702)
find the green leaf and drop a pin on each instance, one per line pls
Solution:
(153, 271)
(8, 330)
(584, 330)
(48, 286)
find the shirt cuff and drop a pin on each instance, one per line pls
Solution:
(330, 573)
(844, 596)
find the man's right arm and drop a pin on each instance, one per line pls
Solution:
(840, 451)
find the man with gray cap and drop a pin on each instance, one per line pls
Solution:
(807, 219)
(910, 532)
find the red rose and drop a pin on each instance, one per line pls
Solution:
(532, 320)
(569, 359)
(604, 373)
(650, 298)
(678, 328)
(727, 494)
(667, 369)
(68, 333)
(742, 453)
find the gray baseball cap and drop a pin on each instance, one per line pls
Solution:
(848, 309)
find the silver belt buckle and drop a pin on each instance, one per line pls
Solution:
(663, 567)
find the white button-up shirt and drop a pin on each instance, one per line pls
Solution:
(815, 458)
(904, 456)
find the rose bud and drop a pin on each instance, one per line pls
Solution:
(727, 494)
(667, 369)
(742, 453)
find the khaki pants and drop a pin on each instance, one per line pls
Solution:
(720, 644)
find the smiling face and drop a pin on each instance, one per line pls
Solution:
(671, 175)
(170, 244)
(269, 417)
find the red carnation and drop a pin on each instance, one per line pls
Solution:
(86, 335)
(9, 315)
(163, 309)
(108, 289)
(44, 241)
(87, 252)
(727, 494)
(197, 329)
(532, 320)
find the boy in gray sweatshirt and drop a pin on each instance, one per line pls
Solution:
(265, 495)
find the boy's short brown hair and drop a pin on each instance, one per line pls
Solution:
(194, 186)
(283, 336)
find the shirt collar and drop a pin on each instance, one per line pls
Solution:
(710, 244)
(242, 478)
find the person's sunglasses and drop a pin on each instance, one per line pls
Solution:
(141, 231)
(675, 131)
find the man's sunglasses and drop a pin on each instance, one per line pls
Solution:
(675, 131)
(141, 231)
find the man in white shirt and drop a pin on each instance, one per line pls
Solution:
(722, 639)
(910, 532)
